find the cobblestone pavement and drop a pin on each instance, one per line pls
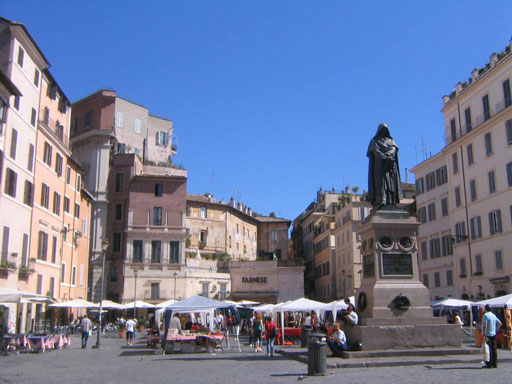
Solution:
(117, 363)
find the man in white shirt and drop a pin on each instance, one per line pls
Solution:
(308, 319)
(130, 331)
(85, 327)
(338, 341)
(351, 317)
(175, 323)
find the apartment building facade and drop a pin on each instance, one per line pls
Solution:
(103, 125)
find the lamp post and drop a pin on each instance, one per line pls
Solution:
(175, 276)
(135, 295)
(104, 247)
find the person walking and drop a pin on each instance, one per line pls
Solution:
(490, 326)
(86, 327)
(130, 331)
(270, 335)
(257, 329)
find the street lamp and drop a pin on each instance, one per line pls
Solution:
(135, 295)
(104, 247)
(175, 276)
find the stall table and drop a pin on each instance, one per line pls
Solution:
(188, 343)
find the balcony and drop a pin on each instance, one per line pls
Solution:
(55, 129)
(480, 119)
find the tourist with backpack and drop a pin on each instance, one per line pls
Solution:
(257, 327)
(271, 335)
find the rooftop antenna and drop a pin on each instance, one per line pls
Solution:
(423, 148)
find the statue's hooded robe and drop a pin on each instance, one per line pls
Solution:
(384, 183)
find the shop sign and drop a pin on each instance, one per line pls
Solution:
(259, 279)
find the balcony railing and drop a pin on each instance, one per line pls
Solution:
(480, 119)
(56, 129)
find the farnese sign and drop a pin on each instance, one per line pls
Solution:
(251, 279)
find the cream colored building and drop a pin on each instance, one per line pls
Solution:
(478, 129)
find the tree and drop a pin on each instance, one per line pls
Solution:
(272, 214)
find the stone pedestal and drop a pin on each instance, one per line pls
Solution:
(392, 303)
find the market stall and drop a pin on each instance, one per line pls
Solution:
(504, 302)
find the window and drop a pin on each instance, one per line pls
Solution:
(476, 227)
(495, 222)
(273, 235)
(63, 272)
(78, 182)
(449, 278)
(28, 196)
(119, 182)
(119, 119)
(39, 288)
(56, 203)
(446, 243)
(204, 212)
(11, 178)
(460, 232)
(479, 266)
(155, 290)
(138, 251)
(157, 216)
(36, 77)
(506, 93)
(118, 215)
(47, 155)
(116, 246)
(420, 186)
(435, 248)
(73, 275)
(30, 165)
(21, 55)
(66, 204)
(203, 236)
(425, 279)
(444, 206)
(498, 259)
(462, 265)
(74, 124)
(42, 247)
(441, 175)
(488, 144)
(77, 210)
(487, 110)
(68, 175)
(137, 126)
(492, 182)
(437, 279)
(121, 148)
(5, 243)
(58, 165)
(223, 294)
(54, 249)
(159, 189)
(84, 227)
(469, 149)
(431, 181)
(508, 129)
(33, 117)
(472, 189)
(87, 119)
(424, 253)
(14, 142)
(455, 163)
(431, 211)
(156, 250)
(204, 289)
(162, 138)
(175, 252)
(17, 103)
(422, 215)
(81, 275)
(113, 274)
(509, 174)
(453, 130)
(457, 197)
(45, 196)
(24, 250)
(467, 114)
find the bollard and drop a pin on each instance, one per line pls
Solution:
(306, 330)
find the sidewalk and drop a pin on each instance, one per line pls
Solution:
(422, 356)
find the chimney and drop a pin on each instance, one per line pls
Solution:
(232, 202)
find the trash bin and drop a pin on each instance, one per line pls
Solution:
(305, 332)
(317, 358)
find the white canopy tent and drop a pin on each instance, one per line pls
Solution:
(299, 305)
(165, 304)
(138, 304)
(340, 305)
(450, 302)
(502, 301)
(77, 303)
(8, 295)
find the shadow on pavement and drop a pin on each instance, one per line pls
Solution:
(138, 352)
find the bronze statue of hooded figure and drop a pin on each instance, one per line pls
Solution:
(384, 183)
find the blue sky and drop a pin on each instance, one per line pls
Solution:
(272, 100)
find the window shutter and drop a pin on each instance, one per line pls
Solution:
(491, 224)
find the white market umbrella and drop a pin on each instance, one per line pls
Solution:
(450, 302)
(77, 303)
(8, 295)
(138, 304)
(108, 304)
(502, 301)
